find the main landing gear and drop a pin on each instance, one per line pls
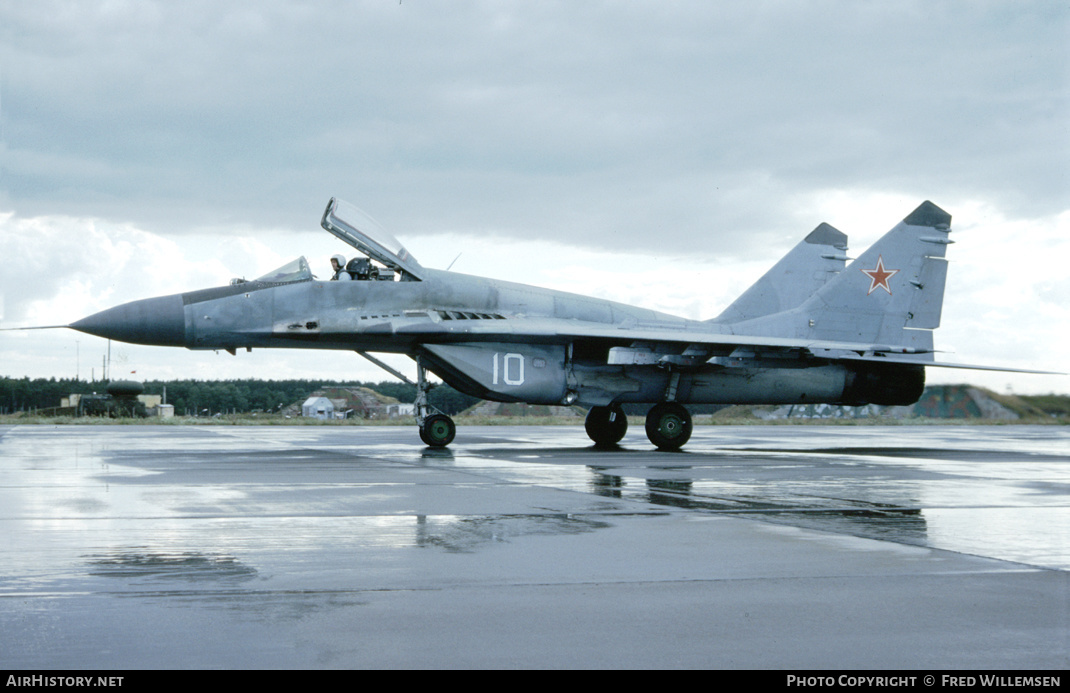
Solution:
(606, 425)
(668, 425)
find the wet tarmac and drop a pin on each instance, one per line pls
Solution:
(757, 547)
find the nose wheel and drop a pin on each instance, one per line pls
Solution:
(668, 425)
(438, 430)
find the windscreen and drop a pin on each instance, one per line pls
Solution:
(293, 271)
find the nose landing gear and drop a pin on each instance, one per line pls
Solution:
(436, 429)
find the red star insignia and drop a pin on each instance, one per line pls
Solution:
(879, 276)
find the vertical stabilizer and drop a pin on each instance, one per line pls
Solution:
(806, 268)
(892, 294)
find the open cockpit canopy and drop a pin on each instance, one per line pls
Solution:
(359, 230)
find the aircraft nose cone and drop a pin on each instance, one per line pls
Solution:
(157, 321)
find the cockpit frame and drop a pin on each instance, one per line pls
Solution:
(356, 228)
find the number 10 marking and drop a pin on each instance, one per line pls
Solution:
(511, 369)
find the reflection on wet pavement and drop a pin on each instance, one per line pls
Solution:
(465, 534)
(190, 566)
(237, 547)
(858, 518)
(881, 490)
(941, 487)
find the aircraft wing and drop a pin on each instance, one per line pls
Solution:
(740, 348)
(637, 344)
(563, 331)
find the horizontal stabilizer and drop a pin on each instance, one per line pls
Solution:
(906, 360)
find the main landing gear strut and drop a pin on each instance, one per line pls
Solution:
(668, 423)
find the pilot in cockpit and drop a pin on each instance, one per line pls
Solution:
(360, 268)
(338, 264)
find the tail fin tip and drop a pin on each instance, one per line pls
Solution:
(827, 234)
(928, 214)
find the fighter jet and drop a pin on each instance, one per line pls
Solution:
(814, 329)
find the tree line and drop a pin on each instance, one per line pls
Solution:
(251, 395)
(214, 396)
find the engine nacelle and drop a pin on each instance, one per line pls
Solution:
(889, 384)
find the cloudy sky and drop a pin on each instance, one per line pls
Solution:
(660, 153)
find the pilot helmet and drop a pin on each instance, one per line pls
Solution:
(340, 259)
(360, 265)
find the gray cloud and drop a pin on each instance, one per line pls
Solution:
(599, 124)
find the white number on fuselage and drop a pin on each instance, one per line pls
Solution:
(508, 369)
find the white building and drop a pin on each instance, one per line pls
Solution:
(318, 407)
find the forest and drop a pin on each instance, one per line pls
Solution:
(206, 397)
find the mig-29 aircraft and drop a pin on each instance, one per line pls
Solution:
(811, 330)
